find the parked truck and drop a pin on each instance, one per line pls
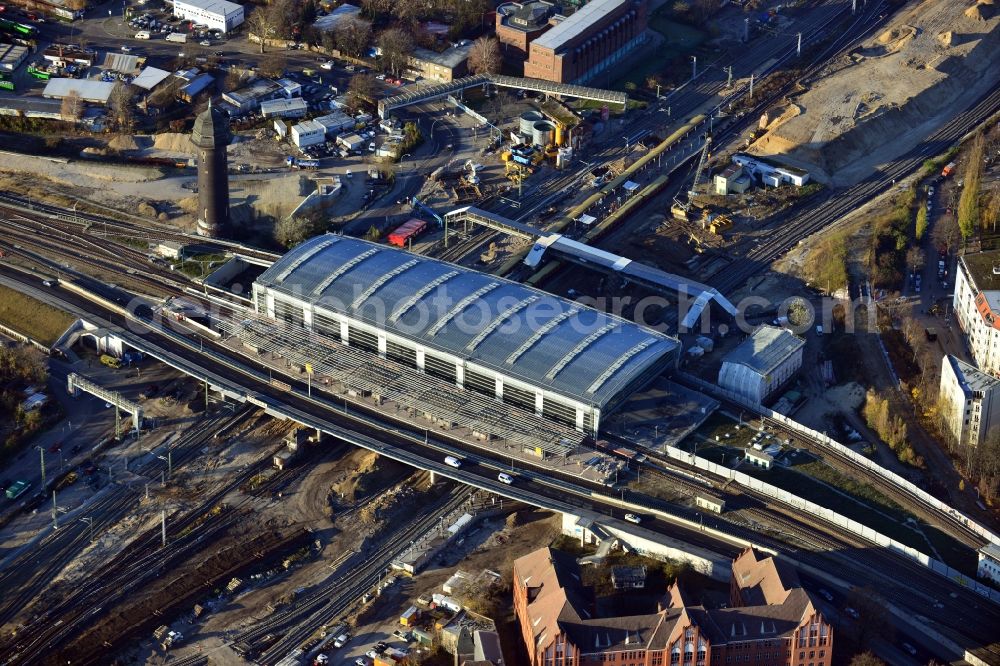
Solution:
(178, 37)
(948, 169)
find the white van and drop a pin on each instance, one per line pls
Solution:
(503, 477)
(452, 461)
(142, 34)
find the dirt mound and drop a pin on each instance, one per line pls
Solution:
(981, 11)
(123, 142)
(895, 34)
(844, 128)
(189, 204)
(173, 142)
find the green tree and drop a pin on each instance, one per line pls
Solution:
(968, 203)
(921, 229)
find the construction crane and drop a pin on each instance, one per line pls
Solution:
(682, 208)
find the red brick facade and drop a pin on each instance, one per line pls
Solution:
(591, 51)
(780, 628)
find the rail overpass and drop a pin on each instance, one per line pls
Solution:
(704, 548)
(440, 90)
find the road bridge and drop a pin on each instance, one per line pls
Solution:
(441, 90)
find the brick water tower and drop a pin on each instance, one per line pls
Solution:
(211, 136)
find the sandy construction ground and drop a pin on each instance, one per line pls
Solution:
(883, 98)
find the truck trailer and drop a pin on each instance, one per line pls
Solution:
(407, 231)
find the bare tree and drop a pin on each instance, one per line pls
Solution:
(284, 17)
(72, 107)
(484, 56)
(353, 37)
(120, 102)
(234, 79)
(361, 90)
(397, 46)
(273, 66)
(290, 231)
(260, 24)
(374, 8)
(866, 658)
(915, 259)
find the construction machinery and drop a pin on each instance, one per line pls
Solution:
(424, 208)
(471, 176)
(681, 209)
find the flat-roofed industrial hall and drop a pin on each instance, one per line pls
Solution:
(538, 352)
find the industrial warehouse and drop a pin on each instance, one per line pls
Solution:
(543, 354)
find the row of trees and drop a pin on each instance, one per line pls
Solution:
(284, 19)
(890, 429)
(463, 15)
(19, 368)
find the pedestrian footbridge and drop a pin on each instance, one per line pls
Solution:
(437, 91)
(75, 383)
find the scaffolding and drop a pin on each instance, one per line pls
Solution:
(366, 374)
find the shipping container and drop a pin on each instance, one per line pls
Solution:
(406, 232)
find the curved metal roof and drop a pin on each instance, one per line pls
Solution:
(539, 338)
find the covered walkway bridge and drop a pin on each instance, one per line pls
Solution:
(427, 93)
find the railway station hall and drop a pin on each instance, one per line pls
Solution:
(503, 355)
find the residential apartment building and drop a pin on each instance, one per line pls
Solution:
(446, 66)
(970, 400)
(587, 43)
(770, 621)
(977, 307)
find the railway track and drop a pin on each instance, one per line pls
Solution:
(101, 586)
(352, 579)
(842, 202)
(153, 232)
(948, 523)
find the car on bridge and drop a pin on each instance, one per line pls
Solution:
(633, 518)
(452, 461)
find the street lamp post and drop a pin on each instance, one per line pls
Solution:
(90, 522)
(41, 454)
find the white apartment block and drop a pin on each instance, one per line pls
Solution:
(977, 307)
(216, 14)
(970, 400)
